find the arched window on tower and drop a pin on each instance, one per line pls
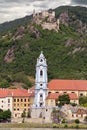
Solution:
(41, 73)
(41, 60)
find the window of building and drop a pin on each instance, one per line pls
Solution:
(76, 115)
(49, 92)
(8, 105)
(15, 115)
(25, 109)
(41, 84)
(81, 94)
(14, 105)
(17, 100)
(25, 105)
(65, 92)
(28, 104)
(2, 101)
(25, 100)
(2, 106)
(41, 95)
(8, 100)
(17, 109)
(46, 109)
(72, 92)
(17, 104)
(14, 109)
(72, 115)
(41, 60)
(41, 104)
(57, 92)
(28, 100)
(14, 100)
(41, 73)
(21, 100)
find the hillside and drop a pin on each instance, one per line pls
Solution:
(65, 51)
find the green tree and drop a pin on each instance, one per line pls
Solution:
(6, 114)
(23, 114)
(83, 100)
(85, 119)
(77, 121)
(64, 99)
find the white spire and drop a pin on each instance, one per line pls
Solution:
(41, 55)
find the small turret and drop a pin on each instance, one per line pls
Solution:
(33, 13)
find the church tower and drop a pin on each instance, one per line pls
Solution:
(40, 82)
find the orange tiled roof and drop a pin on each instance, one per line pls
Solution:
(19, 92)
(55, 96)
(80, 85)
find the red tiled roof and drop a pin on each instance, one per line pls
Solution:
(80, 85)
(55, 96)
(19, 92)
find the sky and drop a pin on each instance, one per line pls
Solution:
(13, 9)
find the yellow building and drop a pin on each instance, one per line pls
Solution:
(17, 100)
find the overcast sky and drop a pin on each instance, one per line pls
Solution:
(13, 9)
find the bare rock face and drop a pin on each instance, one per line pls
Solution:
(34, 32)
(20, 32)
(64, 18)
(69, 42)
(10, 55)
(79, 26)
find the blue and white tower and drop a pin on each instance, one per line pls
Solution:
(40, 82)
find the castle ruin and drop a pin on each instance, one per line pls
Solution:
(47, 20)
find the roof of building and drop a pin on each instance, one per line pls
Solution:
(68, 85)
(55, 96)
(19, 92)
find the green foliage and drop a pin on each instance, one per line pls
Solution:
(4, 83)
(73, 104)
(63, 99)
(77, 121)
(85, 119)
(83, 100)
(5, 114)
(63, 121)
(65, 126)
(23, 114)
(22, 78)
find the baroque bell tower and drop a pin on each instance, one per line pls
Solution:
(40, 82)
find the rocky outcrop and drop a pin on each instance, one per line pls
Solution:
(64, 18)
(19, 34)
(9, 55)
(69, 42)
(34, 32)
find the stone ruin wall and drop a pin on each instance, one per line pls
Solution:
(51, 24)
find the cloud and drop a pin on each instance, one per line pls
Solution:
(13, 9)
(82, 2)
